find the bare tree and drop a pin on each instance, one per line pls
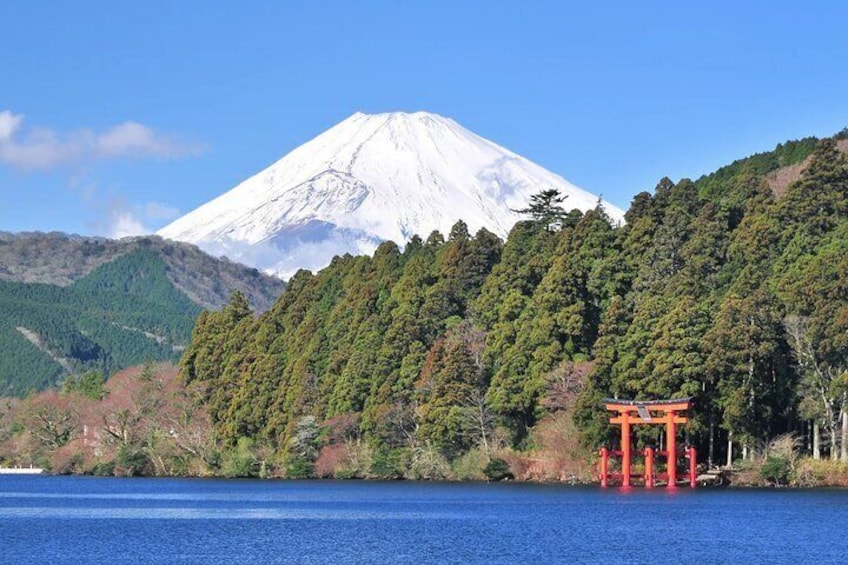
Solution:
(52, 419)
(822, 381)
(478, 419)
(565, 383)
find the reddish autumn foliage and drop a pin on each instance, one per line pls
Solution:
(331, 459)
(147, 422)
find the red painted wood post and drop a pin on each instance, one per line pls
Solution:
(693, 466)
(625, 449)
(604, 474)
(649, 467)
(671, 447)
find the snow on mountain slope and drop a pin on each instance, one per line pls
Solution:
(368, 179)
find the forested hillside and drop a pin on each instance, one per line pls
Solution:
(124, 304)
(732, 289)
(60, 259)
(120, 314)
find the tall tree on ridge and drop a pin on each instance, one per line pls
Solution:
(546, 210)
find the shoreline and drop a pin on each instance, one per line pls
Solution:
(577, 484)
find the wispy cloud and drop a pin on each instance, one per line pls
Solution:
(123, 220)
(114, 217)
(39, 148)
(125, 224)
(285, 254)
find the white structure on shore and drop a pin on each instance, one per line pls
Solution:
(21, 470)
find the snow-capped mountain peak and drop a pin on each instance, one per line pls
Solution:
(368, 179)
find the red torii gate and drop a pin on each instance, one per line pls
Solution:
(654, 412)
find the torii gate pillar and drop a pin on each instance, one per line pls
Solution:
(671, 446)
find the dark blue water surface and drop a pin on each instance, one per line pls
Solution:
(95, 520)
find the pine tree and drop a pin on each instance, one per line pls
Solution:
(545, 209)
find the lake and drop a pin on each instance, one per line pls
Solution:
(46, 519)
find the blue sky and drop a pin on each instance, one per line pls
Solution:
(115, 117)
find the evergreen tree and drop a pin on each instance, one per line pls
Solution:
(545, 209)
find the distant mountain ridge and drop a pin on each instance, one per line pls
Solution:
(72, 304)
(369, 179)
(61, 259)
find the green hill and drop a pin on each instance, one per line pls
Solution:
(124, 304)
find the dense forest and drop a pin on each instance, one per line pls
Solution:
(732, 290)
(465, 356)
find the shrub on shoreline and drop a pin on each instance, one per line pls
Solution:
(781, 465)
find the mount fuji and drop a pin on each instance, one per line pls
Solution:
(369, 179)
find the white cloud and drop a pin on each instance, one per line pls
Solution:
(283, 256)
(131, 138)
(43, 148)
(9, 124)
(125, 224)
(120, 219)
